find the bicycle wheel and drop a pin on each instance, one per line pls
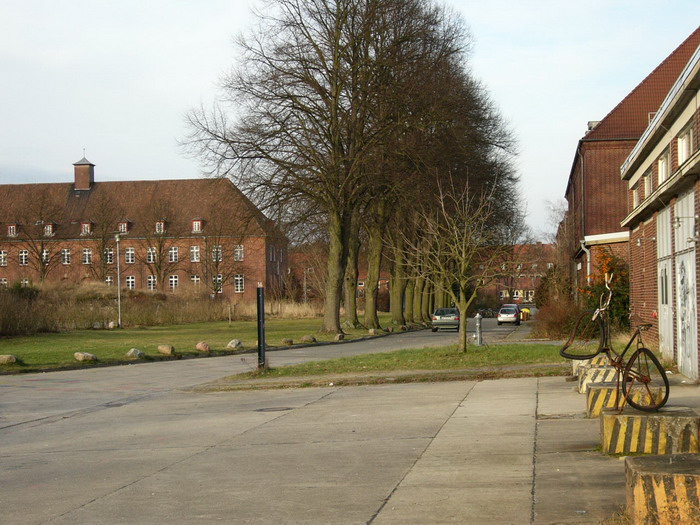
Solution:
(586, 339)
(644, 381)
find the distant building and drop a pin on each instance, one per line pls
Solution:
(173, 234)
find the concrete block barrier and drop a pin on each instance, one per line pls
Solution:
(663, 489)
(577, 365)
(674, 430)
(605, 395)
(595, 374)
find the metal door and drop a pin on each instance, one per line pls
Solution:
(665, 282)
(686, 315)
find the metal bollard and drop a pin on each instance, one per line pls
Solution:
(479, 337)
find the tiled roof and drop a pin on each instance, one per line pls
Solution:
(631, 116)
(142, 203)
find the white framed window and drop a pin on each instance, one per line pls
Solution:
(196, 226)
(87, 256)
(662, 167)
(124, 227)
(109, 255)
(218, 282)
(173, 254)
(109, 280)
(217, 253)
(685, 145)
(531, 295)
(160, 227)
(151, 282)
(65, 256)
(85, 228)
(3, 257)
(238, 283)
(130, 255)
(550, 266)
(48, 230)
(173, 281)
(648, 184)
(24, 282)
(130, 282)
(194, 254)
(12, 230)
(45, 255)
(196, 280)
(360, 284)
(150, 255)
(517, 294)
(3, 282)
(23, 257)
(635, 195)
(503, 294)
(238, 252)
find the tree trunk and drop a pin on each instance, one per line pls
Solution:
(374, 261)
(410, 291)
(426, 302)
(463, 303)
(418, 299)
(337, 257)
(350, 319)
(397, 284)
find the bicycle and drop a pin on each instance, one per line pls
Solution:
(591, 336)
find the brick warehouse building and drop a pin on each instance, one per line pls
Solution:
(662, 175)
(173, 234)
(596, 197)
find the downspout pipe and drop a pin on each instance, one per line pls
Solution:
(588, 262)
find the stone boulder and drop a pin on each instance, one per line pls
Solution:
(84, 356)
(287, 342)
(202, 347)
(308, 339)
(235, 344)
(375, 331)
(8, 359)
(135, 353)
(166, 349)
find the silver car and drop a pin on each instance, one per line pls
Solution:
(509, 313)
(445, 318)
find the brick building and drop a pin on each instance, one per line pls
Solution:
(596, 197)
(662, 178)
(148, 235)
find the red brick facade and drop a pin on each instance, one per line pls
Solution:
(171, 235)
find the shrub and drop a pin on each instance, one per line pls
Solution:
(556, 319)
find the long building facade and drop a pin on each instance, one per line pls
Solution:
(160, 235)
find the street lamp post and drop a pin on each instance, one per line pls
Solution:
(119, 286)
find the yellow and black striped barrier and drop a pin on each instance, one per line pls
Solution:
(674, 430)
(663, 489)
(605, 395)
(595, 374)
(577, 365)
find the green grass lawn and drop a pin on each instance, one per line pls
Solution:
(442, 358)
(55, 350)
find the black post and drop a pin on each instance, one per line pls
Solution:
(261, 326)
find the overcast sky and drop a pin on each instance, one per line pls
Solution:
(117, 77)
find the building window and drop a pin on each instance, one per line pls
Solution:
(65, 256)
(648, 184)
(685, 145)
(109, 280)
(173, 281)
(48, 230)
(3, 257)
(194, 253)
(550, 266)
(173, 254)
(87, 256)
(23, 257)
(124, 227)
(12, 230)
(517, 294)
(635, 195)
(150, 255)
(217, 253)
(109, 255)
(85, 228)
(238, 283)
(238, 252)
(130, 255)
(531, 295)
(3, 282)
(195, 280)
(662, 166)
(151, 282)
(196, 226)
(160, 227)
(24, 282)
(218, 282)
(503, 294)
(130, 282)
(272, 254)
(45, 256)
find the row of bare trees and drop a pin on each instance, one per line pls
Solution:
(359, 122)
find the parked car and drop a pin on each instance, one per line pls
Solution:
(445, 318)
(509, 313)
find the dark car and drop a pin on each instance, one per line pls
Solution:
(445, 318)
